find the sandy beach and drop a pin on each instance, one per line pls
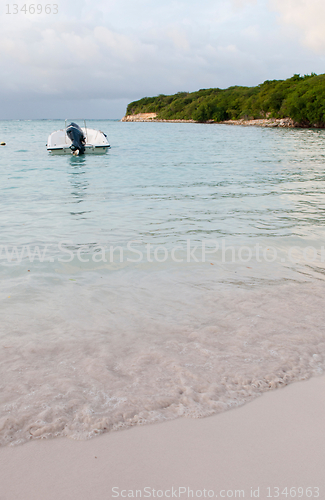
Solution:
(276, 441)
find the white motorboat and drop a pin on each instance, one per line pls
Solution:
(77, 140)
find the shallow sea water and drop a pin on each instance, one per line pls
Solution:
(144, 333)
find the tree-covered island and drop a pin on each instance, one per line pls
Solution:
(300, 98)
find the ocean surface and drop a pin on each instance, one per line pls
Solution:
(180, 274)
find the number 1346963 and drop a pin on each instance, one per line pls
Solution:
(32, 8)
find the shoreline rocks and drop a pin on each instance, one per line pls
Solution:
(140, 117)
(151, 117)
(262, 122)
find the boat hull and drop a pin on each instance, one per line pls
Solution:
(89, 150)
(96, 142)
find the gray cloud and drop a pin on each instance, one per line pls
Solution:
(96, 57)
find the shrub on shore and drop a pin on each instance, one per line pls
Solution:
(301, 98)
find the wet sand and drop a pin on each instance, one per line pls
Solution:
(276, 441)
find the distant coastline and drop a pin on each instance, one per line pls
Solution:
(298, 101)
(264, 122)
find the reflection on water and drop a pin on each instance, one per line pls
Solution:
(79, 182)
(77, 159)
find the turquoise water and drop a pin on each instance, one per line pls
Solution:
(180, 274)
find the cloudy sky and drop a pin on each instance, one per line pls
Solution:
(94, 56)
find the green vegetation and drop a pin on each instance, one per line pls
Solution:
(301, 98)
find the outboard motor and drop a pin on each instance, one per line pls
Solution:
(77, 138)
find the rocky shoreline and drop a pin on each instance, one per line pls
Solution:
(151, 117)
(265, 122)
(140, 117)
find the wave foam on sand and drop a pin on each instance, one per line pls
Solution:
(93, 359)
